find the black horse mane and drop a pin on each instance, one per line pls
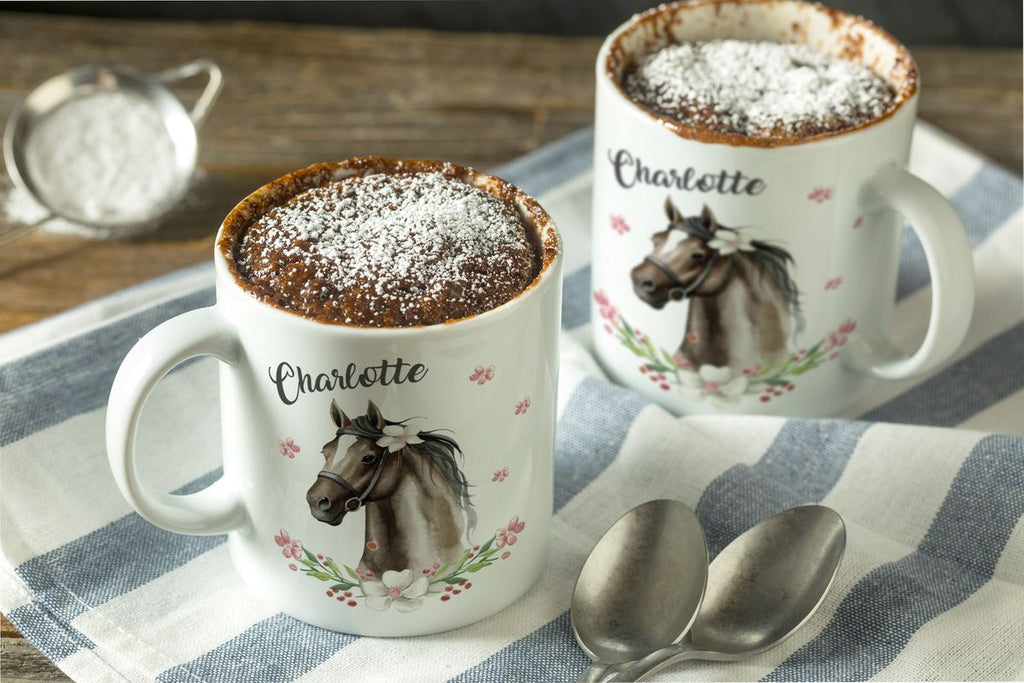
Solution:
(773, 259)
(440, 450)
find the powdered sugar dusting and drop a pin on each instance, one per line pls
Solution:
(103, 157)
(758, 89)
(389, 249)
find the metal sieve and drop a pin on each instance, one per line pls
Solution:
(181, 126)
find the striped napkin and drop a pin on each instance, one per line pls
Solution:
(928, 475)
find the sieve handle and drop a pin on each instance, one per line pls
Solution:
(215, 80)
(19, 231)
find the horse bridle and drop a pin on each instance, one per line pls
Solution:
(686, 290)
(359, 499)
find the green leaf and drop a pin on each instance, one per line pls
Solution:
(441, 570)
(311, 557)
(322, 576)
(486, 546)
(306, 563)
(352, 573)
(474, 568)
(332, 565)
(452, 580)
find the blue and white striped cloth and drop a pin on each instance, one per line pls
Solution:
(929, 476)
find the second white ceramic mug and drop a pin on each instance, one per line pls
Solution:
(733, 274)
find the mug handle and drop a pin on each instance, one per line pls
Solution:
(215, 79)
(950, 264)
(217, 508)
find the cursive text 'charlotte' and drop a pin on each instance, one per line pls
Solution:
(292, 381)
(630, 171)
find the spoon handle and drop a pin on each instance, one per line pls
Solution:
(593, 674)
(639, 669)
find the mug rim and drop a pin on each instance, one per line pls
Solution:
(281, 189)
(613, 57)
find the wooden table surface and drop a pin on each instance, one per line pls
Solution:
(296, 95)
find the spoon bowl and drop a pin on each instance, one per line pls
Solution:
(761, 588)
(642, 584)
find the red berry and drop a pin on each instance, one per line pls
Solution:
(462, 583)
(644, 369)
(790, 387)
(448, 589)
(352, 603)
(348, 594)
(456, 591)
(765, 399)
(468, 585)
(340, 598)
(446, 597)
(665, 387)
(654, 378)
(475, 548)
(330, 593)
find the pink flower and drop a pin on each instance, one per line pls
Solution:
(482, 374)
(289, 547)
(834, 283)
(820, 194)
(618, 223)
(859, 222)
(288, 448)
(523, 406)
(507, 535)
(608, 312)
(499, 475)
(841, 335)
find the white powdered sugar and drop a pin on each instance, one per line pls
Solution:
(758, 89)
(103, 157)
(389, 250)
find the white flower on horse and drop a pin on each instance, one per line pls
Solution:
(396, 588)
(716, 383)
(397, 437)
(727, 242)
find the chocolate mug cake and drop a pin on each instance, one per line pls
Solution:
(403, 244)
(758, 89)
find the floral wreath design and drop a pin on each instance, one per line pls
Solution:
(721, 385)
(402, 590)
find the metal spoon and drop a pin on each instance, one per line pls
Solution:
(641, 586)
(764, 586)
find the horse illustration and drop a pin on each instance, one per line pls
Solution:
(742, 301)
(409, 482)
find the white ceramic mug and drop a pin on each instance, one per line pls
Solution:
(734, 274)
(380, 482)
